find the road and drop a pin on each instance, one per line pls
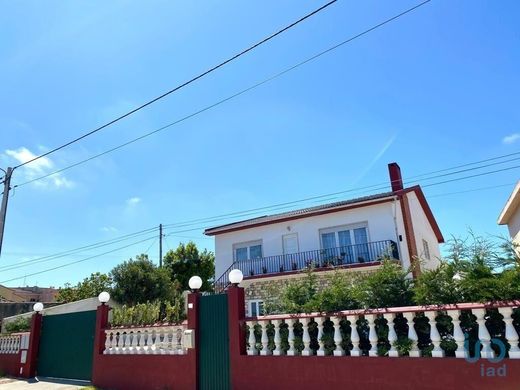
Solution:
(39, 384)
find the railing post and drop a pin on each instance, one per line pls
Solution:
(412, 334)
(277, 340)
(511, 333)
(290, 337)
(458, 334)
(354, 336)
(306, 339)
(434, 334)
(338, 351)
(392, 336)
(265, 339)
(321, 349)
(483, 334)
(251, 350)
(372, 335)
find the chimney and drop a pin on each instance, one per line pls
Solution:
(396, 179)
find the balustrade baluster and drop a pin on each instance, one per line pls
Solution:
(321, 349)
(392, 336)
(108, 333)
(290, 337)
(458, 334)
(511, 333)
(372, 334)
(265, 339)
(437, 351)
(412, 335)
(149, 344)
(483, 334)
(251, 350)
(354, 336)
(306, 339)
(338, 351)
(142, 341)
(277, 340)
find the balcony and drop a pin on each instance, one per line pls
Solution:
(322, 258)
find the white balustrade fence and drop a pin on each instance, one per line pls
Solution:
(10, 343)
(149, 340)
(267, 339)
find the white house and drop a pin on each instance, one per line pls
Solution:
(352, 235)
(510, 215)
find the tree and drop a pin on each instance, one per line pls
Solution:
(140, 281)
(186, 261)
(88, 288)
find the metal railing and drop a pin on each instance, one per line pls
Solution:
(320, 258)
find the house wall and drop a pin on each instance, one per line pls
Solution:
(514, 226)
(380, 219)
(423, 231)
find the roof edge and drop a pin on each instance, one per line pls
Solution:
(510, 206)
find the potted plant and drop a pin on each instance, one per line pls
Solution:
(281, 268)
(251, 272)
(294, 266)
(264, 269)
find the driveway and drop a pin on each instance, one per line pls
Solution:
(40, 384)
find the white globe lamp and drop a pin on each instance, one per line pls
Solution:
(236, 276)
(195, 283)
(38, 307)
(104, 297)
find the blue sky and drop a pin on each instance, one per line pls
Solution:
(437, 88)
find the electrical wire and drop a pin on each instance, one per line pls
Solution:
(69, 252)
(79, 261)
(186, 83)
(471, 190)
(222, 101)
(203, 227)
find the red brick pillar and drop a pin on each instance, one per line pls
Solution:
(99, 339)
(29, 370)
(237, 332)
(193, 320)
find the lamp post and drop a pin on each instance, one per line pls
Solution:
(195, 283)
(38, 307)
(103, 297)
(235, 277)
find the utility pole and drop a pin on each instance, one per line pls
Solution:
(3, 208)
(160, 245)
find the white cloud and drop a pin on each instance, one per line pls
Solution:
(133, 201)
(511, 139)
(38, 168)
(109, 229)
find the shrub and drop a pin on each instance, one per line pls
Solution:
(149, 313)
(21, 324)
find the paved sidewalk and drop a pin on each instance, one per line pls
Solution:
(39, 384)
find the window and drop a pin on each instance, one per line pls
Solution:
(347, 242)
(248, 250)
(256, 308)
(426, 250)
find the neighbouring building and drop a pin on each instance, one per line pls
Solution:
(510, 215)
(352, 235)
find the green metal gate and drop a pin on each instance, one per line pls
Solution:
(67, 345)
(213, 343)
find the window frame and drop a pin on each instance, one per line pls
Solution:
(259, 307)
(248, 245)
(426, 250)
(350, 227)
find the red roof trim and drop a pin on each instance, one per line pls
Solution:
(299, 216)
(426, 208)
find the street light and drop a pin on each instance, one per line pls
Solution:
(236, 276)
(195, 283)
(38, 307)
(103, 297)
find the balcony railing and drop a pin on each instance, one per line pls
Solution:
(321, 258)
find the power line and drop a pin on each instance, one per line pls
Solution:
(79, 261)
(471, 190)
(254, 211)
(214, 68)
(202, 227)
(69, 252)
(222, 101)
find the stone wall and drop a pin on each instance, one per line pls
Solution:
(262, 288)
